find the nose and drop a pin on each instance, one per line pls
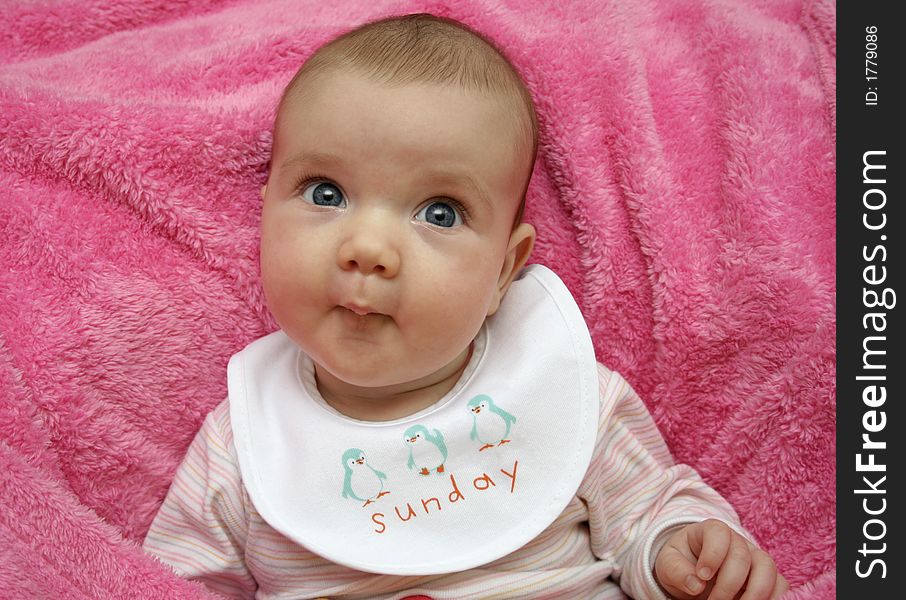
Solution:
(370, 248)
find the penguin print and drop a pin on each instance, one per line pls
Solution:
(427, 451)
(361, 481)
(490, 423)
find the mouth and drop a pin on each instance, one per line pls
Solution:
(476, 410)
(361, 319)
(359, 309)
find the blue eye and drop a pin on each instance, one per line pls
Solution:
(324, 193)
(440, 214)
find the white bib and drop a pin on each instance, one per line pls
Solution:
(455, 486)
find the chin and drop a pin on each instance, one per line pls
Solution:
(361, 375)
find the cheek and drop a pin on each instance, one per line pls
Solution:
(272, 236)
(286, 260)
(456, 292)
(273, 258)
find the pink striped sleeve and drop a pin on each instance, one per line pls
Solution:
(201, 528)
(635, 492)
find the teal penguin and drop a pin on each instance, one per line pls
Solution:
(427, 451)
(361, 481)
(490, 423)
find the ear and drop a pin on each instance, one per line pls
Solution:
(263, 191)
(522, 240)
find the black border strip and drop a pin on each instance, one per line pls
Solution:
(870, 368)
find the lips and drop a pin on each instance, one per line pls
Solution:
(361, 318)
(359, 309)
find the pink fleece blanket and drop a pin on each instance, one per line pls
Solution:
(684, 191)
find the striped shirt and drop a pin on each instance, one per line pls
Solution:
(601, 546)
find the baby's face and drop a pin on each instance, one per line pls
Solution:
(386, 224)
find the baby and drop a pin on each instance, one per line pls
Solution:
(377, 446)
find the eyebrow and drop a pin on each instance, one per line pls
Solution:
(318, 159)
(441, 177)
(436, 176)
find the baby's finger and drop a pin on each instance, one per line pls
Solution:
(710, 542)
(762, 577)
(733, 572)
(780, 587)
(676, 573)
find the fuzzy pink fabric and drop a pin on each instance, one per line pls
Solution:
(684, 191)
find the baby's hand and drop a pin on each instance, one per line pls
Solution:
(708, 560)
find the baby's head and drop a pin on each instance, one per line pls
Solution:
(391, 225)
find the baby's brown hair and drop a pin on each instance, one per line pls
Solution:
(423, 48)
